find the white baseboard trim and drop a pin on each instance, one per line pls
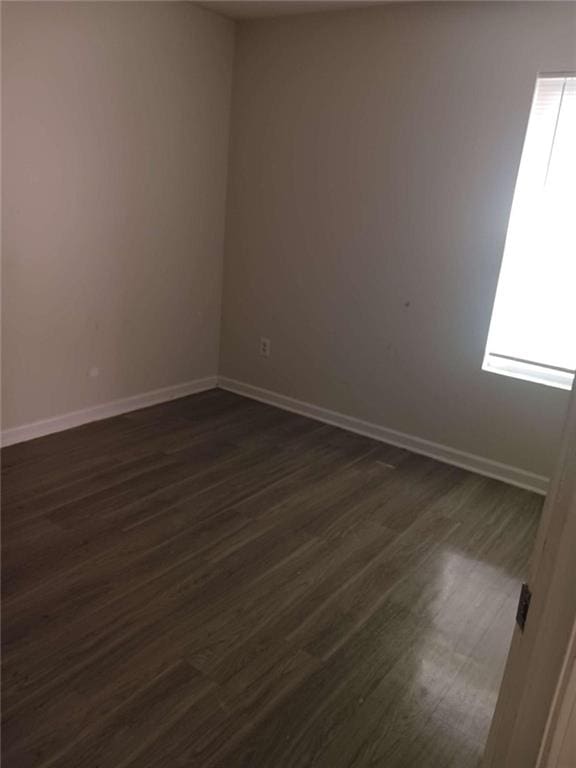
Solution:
(494, 469)
(470, 461)
(105, 410)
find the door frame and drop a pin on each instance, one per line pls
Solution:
(559, 745)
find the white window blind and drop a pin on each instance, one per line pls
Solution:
(533, 328)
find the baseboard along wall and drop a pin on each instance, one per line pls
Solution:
(482, 466)
(105, 410)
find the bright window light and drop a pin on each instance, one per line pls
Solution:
(533, 329)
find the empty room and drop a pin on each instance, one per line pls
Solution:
(288, 344)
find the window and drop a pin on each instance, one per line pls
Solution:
(533, 329)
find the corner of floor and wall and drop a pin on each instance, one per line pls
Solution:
(178, 187)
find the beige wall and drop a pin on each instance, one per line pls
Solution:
(115, 138)
(371, 172)
(372, 168)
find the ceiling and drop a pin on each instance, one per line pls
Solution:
(250, 9)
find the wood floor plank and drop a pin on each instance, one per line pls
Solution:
(214, 582)
(88, 532)
(205, 531)
(46, 667)
(123, 735)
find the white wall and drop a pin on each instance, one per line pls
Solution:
(371, 172)
(114, 139)
(373, 161)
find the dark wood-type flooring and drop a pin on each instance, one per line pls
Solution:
(216, 582)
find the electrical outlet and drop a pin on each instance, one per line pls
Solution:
(265, 345)
(93, 372)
